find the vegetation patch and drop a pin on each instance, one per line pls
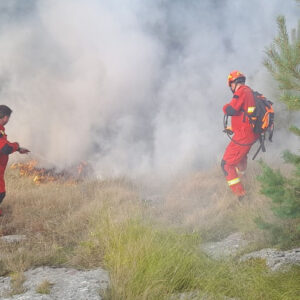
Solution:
(149, 262)
(44, 287)
(16, 283)
(103, 224)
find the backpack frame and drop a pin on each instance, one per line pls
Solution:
(261, 117)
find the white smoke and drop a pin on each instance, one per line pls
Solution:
(134, 87)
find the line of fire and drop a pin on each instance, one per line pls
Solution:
(41, 175)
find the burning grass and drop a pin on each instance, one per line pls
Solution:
(43, 175)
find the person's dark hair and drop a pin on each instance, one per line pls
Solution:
(240, 80)
(5, 111)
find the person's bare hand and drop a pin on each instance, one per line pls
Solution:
(23, 150)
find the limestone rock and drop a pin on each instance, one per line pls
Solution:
(13, 238)
(229, 246)
(67, 284)
(276, 259)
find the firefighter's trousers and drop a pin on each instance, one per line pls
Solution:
(235, 158)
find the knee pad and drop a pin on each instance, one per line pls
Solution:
(2, 196)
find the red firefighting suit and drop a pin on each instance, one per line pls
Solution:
(6, 148)
(235, 156)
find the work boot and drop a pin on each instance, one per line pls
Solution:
(238, 189)
(241, 194)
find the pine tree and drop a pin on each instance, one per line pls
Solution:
(283, 62)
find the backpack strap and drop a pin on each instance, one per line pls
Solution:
(262, 138)
(261, 146)
(271, 131)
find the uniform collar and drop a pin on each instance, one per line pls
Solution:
(241, 87)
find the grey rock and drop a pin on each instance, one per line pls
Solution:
(67, 284)
(229, 246)
(275, 259)
(13, 238)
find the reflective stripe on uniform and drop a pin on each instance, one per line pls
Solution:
(233, 181)
(251, 109)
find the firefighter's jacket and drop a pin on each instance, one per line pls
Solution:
(235, 155)
(241, 103)
(6, 148)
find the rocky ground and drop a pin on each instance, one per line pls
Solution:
(276, 260)
(235, 243)
(229, 246)
(46, 283)
(63, 283)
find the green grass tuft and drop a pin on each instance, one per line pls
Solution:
(147, 262)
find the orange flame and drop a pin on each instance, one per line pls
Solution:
(43, 175)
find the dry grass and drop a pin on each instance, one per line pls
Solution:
(104, 223)
(16, 283)
(44, 287)
(203, 201)
(147, 261)
(54, 217)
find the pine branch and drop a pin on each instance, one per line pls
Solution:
(291, 158)
(283, 62)
(292, 102)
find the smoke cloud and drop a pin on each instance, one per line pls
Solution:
(134, 87)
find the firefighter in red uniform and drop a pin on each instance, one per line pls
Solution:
(234, 161)
(6, 148)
